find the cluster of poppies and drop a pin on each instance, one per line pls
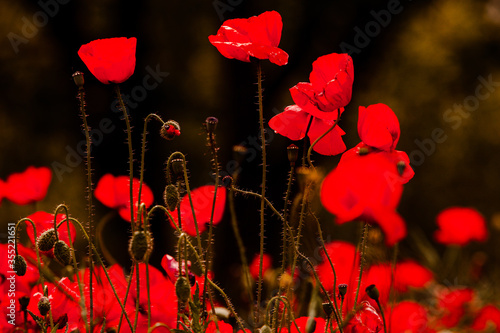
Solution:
(366, 186)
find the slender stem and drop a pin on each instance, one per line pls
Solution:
(268, 203)
(321, 137)
(285, 301)
(130, 151)
(392, 291)
(143, 149)
(228, 303)
(263, 189)
(90, 224)
(138, 293)
(361, 259)
(127, 291)
(382, 314)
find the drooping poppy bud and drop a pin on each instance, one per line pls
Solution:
(171, 197)
(44, 305)
(46, 240)
(20, 265)
(170, 130)
(62, 253)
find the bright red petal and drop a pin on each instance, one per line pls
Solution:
(110, 60)
(409, 273)
(345, 261)
(202, 198)
(255, 265)
(28, 186)
(291, 123)
(488, 316)
(459, 226)
(378, 127)
(408, 316)
(331, 144)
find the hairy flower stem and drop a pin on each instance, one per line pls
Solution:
(127, 291)
(285, 301)
(362, 250)
(321, 137)
(143, 149)
(130, 151)
(90, 224)
(263, 189)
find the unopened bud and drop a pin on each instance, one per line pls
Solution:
(44, 305)
(178, 167)
(293, 153)
(239, 153)
(171, 197)
(78, 78)
(140, 245)
(211, 124)
(401, 167)
(372, 292)
(19, 265)
(170, 130)
(46, 240)
(265, 329)
(62, 253)
(227, 181)
(311, 325)
(24, 301)
(182, 289)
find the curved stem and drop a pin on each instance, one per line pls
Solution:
(361, 259)
(382, 315)
(285, 301)
(263, 189)
(321, 137)
(268, 203)
(130, 151)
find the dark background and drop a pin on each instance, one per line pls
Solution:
(426, 59)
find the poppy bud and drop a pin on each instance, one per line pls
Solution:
(372, 292)
(401, 167)
(265, 329)
(239, 153)
(62, 253)
(140, 245)
(227, 181)
(171, 197)
(24, 301)
(46, 240)
(182, 289)
(211, 124)
(293, 153)
(342, 290)
(170, 130)
(328, 308)
(310, 325)
(19, 265)
(78, 78)
(178, 167)
(44, 305)
(363, 151)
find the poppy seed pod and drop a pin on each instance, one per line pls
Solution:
(24, 301)
(44, 305)
(170, 130)
(293, 153)
(182, 289)
(62, 253)
(211, 124)
(46, 240)
(372, 292)
(19, 265)
(328, 308)
(342, 290)
(140, 245)
(171, 197)
(78, 78)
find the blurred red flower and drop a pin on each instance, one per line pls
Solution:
(408, 316)
(318, 102)
(366, 320)
(111, 60)
(28, 186)
(452, 305)
(114, 192)
(257, 36)
(45, 221)
(409, 273)
(459, 226)
(487, 318)
(203, 198)
(369, 188)
(345, 261)
(255, 265)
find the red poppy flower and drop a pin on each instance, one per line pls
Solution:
(408, 316)
(222, 327)
(378, 127)
(345, 261)
(366, 188)
(203, 198)
(487, 317)
(459, 226)
(318, 102)
(45, 221)
(452, 304)
(366, 320)
(114, 192)
(255, 265)
(28, 186)
(257, 36)
(111, 60)
(409, 273)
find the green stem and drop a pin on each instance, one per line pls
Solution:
(285, 301)
(382, 315)
(268, 203)
(263, 189)
(130, 151)
(321, 137)
(81, 97)
(361, 259)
